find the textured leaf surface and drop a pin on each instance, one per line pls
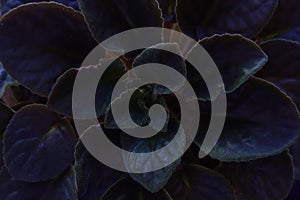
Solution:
(196, 182)
(62, 187)
(156, 180)
(109, 17)
(127, 189)
(40, 41)
(204, 18)
(60, 98)
(264, 179)
(236, 57)
(38, 144)
(93, 178)
(261, 121)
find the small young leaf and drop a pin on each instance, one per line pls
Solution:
(126, 189)
(204, 18)
(261, 121)
(38, 144)
(166, 57)
(194, 182)
(40, 41)
(93, 178)
(109, 17)
(264, 179)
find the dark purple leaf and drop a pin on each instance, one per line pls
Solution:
(236, 57)
(38, 144)
(261, 121)
(109, 17)
(127, 189)
(40, 41)
(264, 179)
(93, 178)
(202, 18)
(194, 182)
(60, 98)
(285, 22)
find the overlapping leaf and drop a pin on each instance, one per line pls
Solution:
(5, 79)
(17, 96)
(236, 57)
(5, 116)
(38, 144)
(204, 18)
(126, 189)
(155, 180)
(163, 54)
(93, 178)
(7, 5)
(264, 179)
(40, 41)
(62, 187)
(196, 182)
(261, 121)
(60, 98)
(109, 17)
(285, 21)
(283, 70)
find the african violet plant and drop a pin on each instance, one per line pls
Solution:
(255, 46)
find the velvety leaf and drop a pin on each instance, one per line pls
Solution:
(5, 116)
(5, 79)
(17, 96)
(283, 67)
(156, 180)
(236, 57)
(263, 179)
(165, 57)
(7, 5)
(93, 178)
(261, 121)
(203, 18)
(40, 41)
(60, 98)
(168, 10)
(34, 140)
(194, 182)
(109, 17)
(285, 21)
(126, 189)
(62, 187)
